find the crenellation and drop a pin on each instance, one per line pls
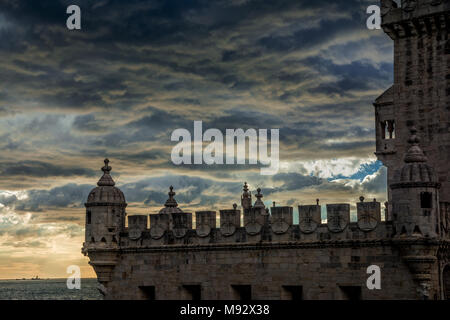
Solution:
(369, 214)
(159, 225)
(205, 221)
(136, 225)
(414, 17)
(254, 221)
(230, 220)
(338, 216)
(309, 217)
(182, 222)
(281, 219)
(279, 225)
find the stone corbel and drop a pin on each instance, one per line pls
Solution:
(421, 268)
(103, 262)
(421, 257)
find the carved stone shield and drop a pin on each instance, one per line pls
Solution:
(136, 224)
(281, 219)
(369, 214)
(182, 222)
(230, 220)
(205, 221)
(159, 223)
(309, 218)
(203, 230)
(253, 221)
(134, 233)
(338, 217)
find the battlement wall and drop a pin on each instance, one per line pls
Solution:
(258, 225)
(414, 16)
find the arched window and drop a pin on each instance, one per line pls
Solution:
(387, 129)
(426, 200)
(88, 217)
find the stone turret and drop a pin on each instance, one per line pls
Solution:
(105, 211)
(415, 191)
(105, 220)
(415, 216)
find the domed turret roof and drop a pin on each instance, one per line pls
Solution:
(415, 169)
(106, 192)
(171, 205)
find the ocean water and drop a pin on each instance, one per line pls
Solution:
(53, 289)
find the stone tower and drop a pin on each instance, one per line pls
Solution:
(105, 220)
(420, 95)
(105, 211)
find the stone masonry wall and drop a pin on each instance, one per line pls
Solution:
(320, 270)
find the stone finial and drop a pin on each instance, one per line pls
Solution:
(317, 201)
(106, 168)
(246, 198)
(234, 206)
(414, 153)
(274, 203)
(106, 179)
(246, 193)
(258, 202)
(171, 202)
(374, 199)
(361, 199)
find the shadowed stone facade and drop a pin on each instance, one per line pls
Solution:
(420, 94)
(259, 253)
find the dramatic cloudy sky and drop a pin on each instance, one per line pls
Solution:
(139, 70)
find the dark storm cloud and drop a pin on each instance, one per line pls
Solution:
(70, 195)
(295, 181)
(348, 145)
(41, 169)
(88, 123)
(356, 76)
(309, 37)
(159, 24)
(150, 191)
(189, 189)
(190, 192)
(140, 69)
